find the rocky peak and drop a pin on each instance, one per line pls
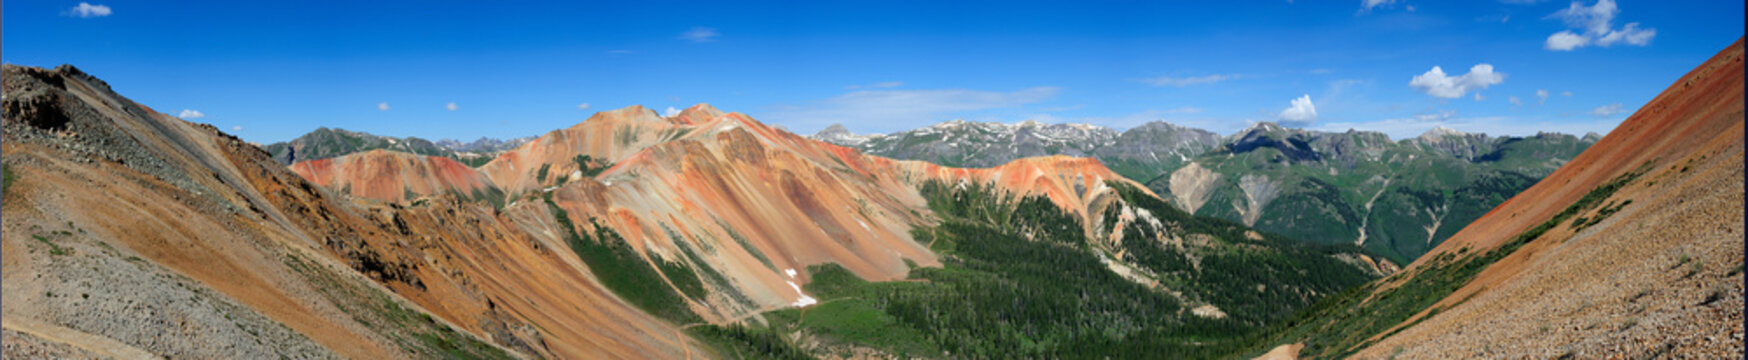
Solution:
(1264, 126)
(952, 124)
(1296, 145)
(484, 144)
(697, 114)
(1456, 143)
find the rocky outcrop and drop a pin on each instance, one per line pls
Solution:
(1192, 185)
(1258, 192)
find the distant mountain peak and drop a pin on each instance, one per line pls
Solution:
(951, 124)
(1439, 133)
(834, 129)
(1266, 126)
(1442, 131)
(838, 134)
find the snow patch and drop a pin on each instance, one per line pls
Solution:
(805, 300)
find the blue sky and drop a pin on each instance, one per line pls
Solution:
(270, 71)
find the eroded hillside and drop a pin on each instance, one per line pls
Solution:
(129, 229)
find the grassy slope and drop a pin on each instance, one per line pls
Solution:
(1318, 205)
(1340, 325)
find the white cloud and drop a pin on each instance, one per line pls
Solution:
(382, 106)
(190, 114)
(1567, 93)
(1185, 81)
(1302, 111)
(1434, 82)
(670, 112)
(86, 10)
(237, 128)
(878, 85)
(451, 106)
(1597, 25)
(1369, 4)
(1514, 100)
(1607, 110)
(1478, 96)
(1436, 117)
(1542, 94)
(1566, 40)
(1494, 18)
(887, 110)
(583, 106)
(700, 34)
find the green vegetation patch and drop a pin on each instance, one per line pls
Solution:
(6, 179)
(744, 342)
(622, 270)
(53, 248)
(858, 321)
(1341, 325)
(746, 245)
(590, 166)
(683, 277)
(1020, 280)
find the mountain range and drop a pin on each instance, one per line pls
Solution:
(326, 143)
(1397, 198)
(132, 233)
(629, 235)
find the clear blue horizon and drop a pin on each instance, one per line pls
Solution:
(270, 72)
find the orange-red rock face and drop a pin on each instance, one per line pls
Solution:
(762, 200)
(392, 176)
(795, 201)
(609, 135)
